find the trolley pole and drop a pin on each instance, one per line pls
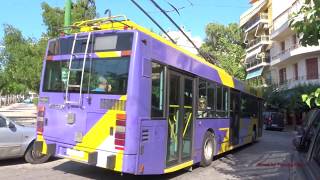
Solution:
(67, 14)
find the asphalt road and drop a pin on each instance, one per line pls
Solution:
(270, 158)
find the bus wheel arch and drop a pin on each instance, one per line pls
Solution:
(208, 148)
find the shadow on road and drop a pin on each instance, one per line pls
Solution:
(20, 161)
(270, 158)
(92, 172)
(12, 162)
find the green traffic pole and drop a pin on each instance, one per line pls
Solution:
(67, 15)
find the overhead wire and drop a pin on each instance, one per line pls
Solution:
(153, 20)
(204, 55)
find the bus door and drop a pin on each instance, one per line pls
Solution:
(180, 118)
(234, 117)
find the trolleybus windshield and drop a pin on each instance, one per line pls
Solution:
(102, 76)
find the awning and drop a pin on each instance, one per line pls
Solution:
(254, 73)
(245, 17)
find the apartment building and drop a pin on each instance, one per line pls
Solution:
(255, 23)
(274, 56)
(291, 63)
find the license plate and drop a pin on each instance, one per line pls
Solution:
(76, 153)
(274, 125)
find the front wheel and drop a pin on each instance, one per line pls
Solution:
(35, 157)
(208, 149)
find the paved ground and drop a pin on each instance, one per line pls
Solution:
(271, 158)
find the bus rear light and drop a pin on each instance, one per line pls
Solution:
(119, 142)
(120, 123)
(120, 135)
(125, 53)
(40, 126)
(119, 148)
(120, 129)
(40, 119)
(121, 117)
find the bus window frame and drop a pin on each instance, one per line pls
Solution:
(165, 89)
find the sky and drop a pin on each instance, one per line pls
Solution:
(194, 14)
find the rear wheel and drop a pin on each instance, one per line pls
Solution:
(35, 157)
(208, 149)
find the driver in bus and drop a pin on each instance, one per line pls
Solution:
(103, 85)
(202, 107)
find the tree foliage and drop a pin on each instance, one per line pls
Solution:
(21, 60)
(224, 43)
(306, 22)
(312, 98)
(53, 17)
(288, 99)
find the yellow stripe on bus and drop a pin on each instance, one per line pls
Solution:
(98, 134)
(110, 54)
(44, 144)
(178, 167)
(226, 79)
(225, 146)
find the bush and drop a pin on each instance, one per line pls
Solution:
(35, 101)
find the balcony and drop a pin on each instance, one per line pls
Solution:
(264, 39)
(281, 27)
(260, 18)
(301, 80)
(286, 51)
(294, 52)
(257, 62)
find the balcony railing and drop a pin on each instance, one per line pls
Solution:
(257, 62)
(263, 38)
(255, 19)
(284, 17)
(300, 80)
(284, 52)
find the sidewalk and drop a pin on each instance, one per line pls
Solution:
(20, 112)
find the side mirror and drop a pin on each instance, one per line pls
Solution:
(11, 125)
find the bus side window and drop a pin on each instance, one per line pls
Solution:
(202, 99)
(157, 91)
(206, 99)
(211, 99)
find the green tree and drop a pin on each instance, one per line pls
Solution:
(224, 43)
(306, 22)
(22, 62)
(53, 17)
(312, 99)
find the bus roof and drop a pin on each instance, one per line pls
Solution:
(122, 23)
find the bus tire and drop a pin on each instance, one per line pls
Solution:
(208, 149)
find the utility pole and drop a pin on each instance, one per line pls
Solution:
(67, 14)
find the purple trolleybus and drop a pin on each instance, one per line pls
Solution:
(115, 95)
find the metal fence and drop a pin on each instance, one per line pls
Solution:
(7, 100)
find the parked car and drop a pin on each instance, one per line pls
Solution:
(307, 131)
(17, 140)
(27, 101)
(311, 158)
(273, 120)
